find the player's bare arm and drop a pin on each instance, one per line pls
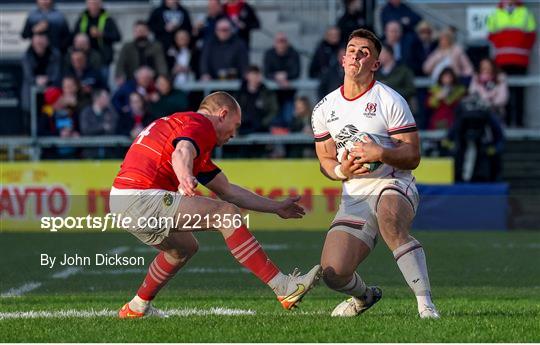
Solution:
(182, 163)
(246, 199)
(327, 154)
(405, 155)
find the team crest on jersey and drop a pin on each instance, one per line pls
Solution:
(167, 199)
(371, 110)
(333, 117)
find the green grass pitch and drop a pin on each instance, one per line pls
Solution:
(485, 284)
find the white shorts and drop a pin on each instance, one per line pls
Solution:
(143, 204)
(357, 215)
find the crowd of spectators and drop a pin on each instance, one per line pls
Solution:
(170, 48)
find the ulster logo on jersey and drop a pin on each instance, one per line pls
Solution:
(333, 117)
(371, 110)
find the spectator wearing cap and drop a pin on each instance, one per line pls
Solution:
(325, 52)
(142, 51)
(41, 65)
(282, 65)
(101, 27)
(244, 17)
(225, 56)
(422, 47)
(166, 20)
(45, 18)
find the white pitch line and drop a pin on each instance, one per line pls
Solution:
(16, 292)
(203, 248)
(34, 314)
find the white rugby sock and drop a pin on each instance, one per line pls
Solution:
(138, 304)
(356, 287)
(411, 260)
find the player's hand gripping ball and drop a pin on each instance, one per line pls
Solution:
(366, 138)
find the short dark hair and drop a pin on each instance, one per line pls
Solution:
(140, 22)
(253, 68)
(370, 36)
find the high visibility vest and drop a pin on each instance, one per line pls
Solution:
(513, 35)
(102, 20)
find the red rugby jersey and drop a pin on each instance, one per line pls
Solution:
(148, 161)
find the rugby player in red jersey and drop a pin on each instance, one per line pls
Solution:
(158, 179)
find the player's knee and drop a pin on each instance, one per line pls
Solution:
(334, 276)
(185, 252)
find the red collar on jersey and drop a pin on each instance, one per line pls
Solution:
(360, 95)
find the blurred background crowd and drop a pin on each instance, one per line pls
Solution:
(91, 80)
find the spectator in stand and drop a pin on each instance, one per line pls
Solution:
(443, 99)
(166, 20)
(46, 18)
(448, 54)
(136, 118)
(302, 116)
(401, 45)
(302, 124)
(333, 77)
(81, 42)
(325, 53)
(243, 17)
(282, 65)
(143, 84)
(41, 65)
(99, 118)
(397, 76)
(353, 18)
(58, 120)
(225, 56)
(180, 59)
(490, 85)
(205, 27)
(168, 101)
(87, 77)
(512, 31)
(259, 104)
(100, 26)
(422, 47)
(140, 52)
(72, 95)
(396, 10)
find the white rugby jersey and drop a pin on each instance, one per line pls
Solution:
(379, 111)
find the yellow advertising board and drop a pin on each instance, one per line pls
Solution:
(30, 191)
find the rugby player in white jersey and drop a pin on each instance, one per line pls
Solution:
(382, 201)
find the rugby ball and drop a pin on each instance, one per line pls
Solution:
(364, 137)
